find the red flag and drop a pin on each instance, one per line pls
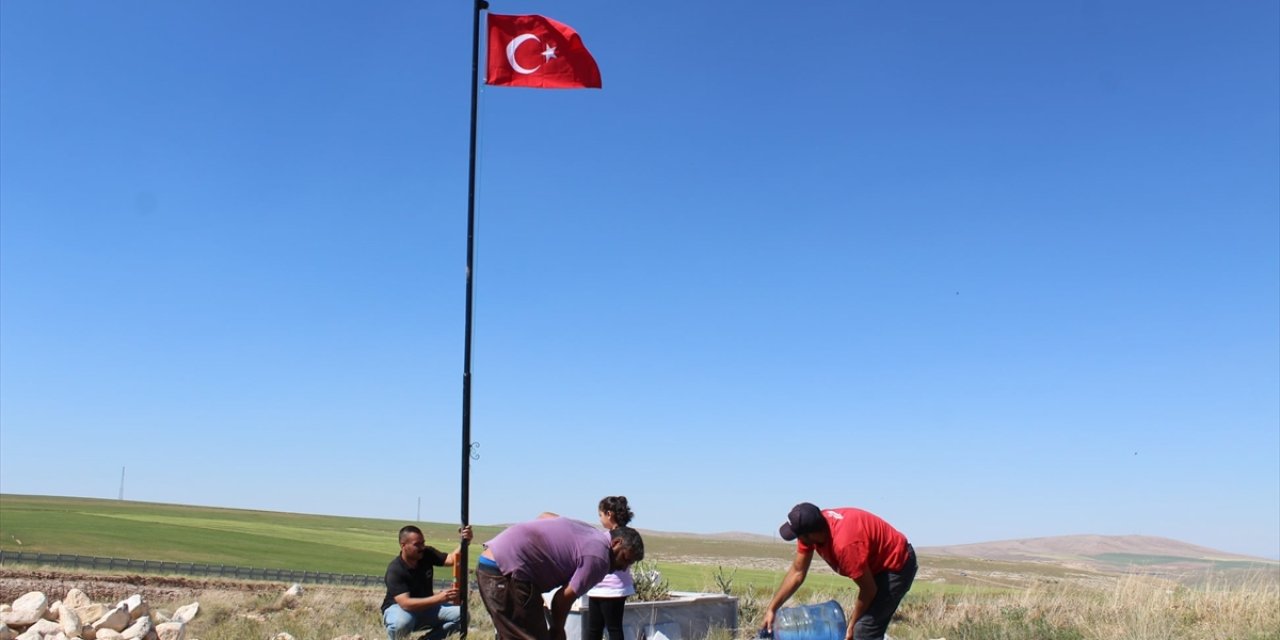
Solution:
(535, 51)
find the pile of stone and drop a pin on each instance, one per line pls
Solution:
(32, 617)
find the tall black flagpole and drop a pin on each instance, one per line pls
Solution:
(460, 570)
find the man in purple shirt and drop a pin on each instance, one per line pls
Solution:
(531, 558)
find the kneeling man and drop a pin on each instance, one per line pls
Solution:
(410, 604)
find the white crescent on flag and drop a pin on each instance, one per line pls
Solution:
(511, 52)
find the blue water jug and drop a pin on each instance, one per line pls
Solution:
(824, 621)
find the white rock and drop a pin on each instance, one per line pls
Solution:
(69, 621)
(294, 591)
(6, 633)
(138, 630)
(91, 611)
(51, 613)
(26, 610)
(31, 600)
(108, 634)
(282, 636)
(45, 627)
(186, 613)
(22, 619)
(76, 599)
(136, 605)
(172, 631)
(115, 620)
(31, 634)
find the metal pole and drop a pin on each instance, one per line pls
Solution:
(480, 5)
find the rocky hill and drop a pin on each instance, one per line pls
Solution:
(1113, 554)
(1059, 548)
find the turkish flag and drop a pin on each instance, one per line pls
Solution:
(535, 51)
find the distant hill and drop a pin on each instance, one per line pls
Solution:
(1146, 554)
(1047, 549)
(1057, 548)
(1000, 564)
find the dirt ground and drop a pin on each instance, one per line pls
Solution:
(109, 589)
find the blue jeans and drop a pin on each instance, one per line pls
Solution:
(440, 619)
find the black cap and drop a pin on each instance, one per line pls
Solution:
(804, 518)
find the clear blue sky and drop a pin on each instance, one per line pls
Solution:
(991, 270)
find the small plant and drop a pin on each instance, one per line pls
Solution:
(751, 606)
(650, 585)
(724, 582)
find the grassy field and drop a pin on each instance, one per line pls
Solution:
(270, 540)
(953, 598)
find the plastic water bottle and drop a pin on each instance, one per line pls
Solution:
(823, 621)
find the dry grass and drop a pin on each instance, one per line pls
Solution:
(320, 613)
(1129, 608)
(1124, 608)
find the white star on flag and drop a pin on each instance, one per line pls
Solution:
(549, 52)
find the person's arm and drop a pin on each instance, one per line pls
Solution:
(561, 602)
(452, 558)
(866, 594)
(417, 604)
(398, 584)
(796, 574)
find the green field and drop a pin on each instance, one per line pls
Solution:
(300, 542)
(1132, 559)
(145, 531)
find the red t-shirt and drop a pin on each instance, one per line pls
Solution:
(860, 538)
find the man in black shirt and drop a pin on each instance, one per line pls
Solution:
(410, 604)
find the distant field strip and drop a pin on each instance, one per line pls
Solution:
(94, 563)
(1127, 559)
(358, 540)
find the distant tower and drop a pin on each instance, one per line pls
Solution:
(121, 484)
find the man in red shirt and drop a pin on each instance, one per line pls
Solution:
(858, 545)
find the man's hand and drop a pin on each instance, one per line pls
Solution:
(451, 596)
(767, 625)
(452, 558)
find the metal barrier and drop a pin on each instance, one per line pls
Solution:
(188, 569)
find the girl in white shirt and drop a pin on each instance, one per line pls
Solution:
(607, 600)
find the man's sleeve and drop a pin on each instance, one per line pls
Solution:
(397, 581)
(588, 575)
(436, 556)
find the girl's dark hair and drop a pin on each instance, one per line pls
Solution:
(618, 505)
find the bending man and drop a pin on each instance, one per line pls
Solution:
(549, 554)
(859, 545)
